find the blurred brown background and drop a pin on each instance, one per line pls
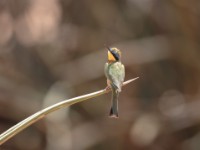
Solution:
(52, 50)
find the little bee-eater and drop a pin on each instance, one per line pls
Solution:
(115, 73)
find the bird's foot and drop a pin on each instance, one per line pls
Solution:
(108, 88)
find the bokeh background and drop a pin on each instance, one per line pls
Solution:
(52, 50)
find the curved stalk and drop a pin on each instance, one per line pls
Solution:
(42, 113)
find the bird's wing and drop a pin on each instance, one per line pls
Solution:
(106, 70)
(123, 73)
(116, 74)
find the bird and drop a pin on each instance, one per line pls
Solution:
(115, 74)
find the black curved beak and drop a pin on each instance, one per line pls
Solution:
(108, 48)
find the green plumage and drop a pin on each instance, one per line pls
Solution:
(115, 73)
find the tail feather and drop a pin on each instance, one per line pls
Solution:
(114, 105)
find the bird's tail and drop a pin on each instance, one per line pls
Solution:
(114, 105)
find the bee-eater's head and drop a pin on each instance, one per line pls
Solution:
(114, 54)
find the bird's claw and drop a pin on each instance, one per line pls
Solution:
(107, 88)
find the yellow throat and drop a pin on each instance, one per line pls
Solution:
(111, 57)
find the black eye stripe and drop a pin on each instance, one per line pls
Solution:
(115, 54)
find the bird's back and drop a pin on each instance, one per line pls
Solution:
(115, 72)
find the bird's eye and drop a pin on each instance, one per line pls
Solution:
(116, 55)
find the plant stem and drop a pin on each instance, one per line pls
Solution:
(42, 113)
